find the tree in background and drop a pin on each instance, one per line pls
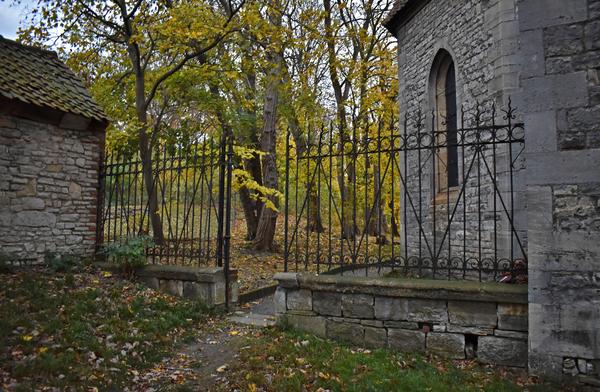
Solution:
(131, 49)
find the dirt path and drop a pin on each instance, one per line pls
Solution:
(204, 363)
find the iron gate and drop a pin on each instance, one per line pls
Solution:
(192, 189)
(384, 198)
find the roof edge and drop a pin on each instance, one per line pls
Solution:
(43, 51)
(401, 13)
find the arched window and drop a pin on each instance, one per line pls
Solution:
(444, 85)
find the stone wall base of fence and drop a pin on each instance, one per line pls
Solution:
(206, 284)
(453, 319)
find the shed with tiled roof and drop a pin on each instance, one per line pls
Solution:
(51, 144)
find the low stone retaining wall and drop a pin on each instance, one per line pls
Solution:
(204, 284)
(453, 319)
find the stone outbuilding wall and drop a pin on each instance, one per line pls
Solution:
(459, 320)
(48, 188)
(51, 146)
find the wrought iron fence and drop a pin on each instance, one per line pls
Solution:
(191, 187)
(433, 199)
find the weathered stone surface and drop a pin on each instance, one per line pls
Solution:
(388, 308)
(406, 341)
(190, 289)
(299, 299)
(447, 345)
(150, 282)
(434, 311)
(346, 320)
(401, 324)
(358, 306)
(34, 219)
(302, 312)
(327, 303)
(512, 317)
(502, 351)
(287, 279)
(511, 334)
(470, 330)
(37, 205)
(312, 324)
(372, 323)
(346, 332)
(375, 337)
(32, 203)
(174, 287)
(480, 314)
(279, 300)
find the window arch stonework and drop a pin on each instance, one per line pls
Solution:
(444, 105)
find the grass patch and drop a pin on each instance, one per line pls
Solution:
(291, 361)
(85, 330)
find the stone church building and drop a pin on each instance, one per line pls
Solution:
(525, 76)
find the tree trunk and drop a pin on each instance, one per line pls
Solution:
(250, 213)
(145, 148)
(377, 225)
(315, 224)
(395, 227)
(268, 218)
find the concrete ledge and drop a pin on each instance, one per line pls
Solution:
(409, 288)
(203, 284)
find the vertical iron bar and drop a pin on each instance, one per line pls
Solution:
(495, 189)
(179, 158)
(464, 196)
(227, 238)
(392, 160)
(221, 203)
(353, 230)
(330, 179)
(210, 201)
(343, 197)
(193, 206)
(404, 145)
(287, 199)
(318, 223)
(117, 217)
(512, 196)
(296, 216)
(366, 186)
(307, 196)
(380, 186)
(479, 151)
(436, 176)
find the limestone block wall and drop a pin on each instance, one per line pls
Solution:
(48, 188)
(486, 321)
(560, 99)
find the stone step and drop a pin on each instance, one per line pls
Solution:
(258, 320)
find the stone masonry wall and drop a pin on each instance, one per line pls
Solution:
(482, 38)
(48, 183)
(560, 81)
(486, 321)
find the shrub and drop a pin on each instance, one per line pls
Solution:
(130, 253)
(60, 263)
(5, 265)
